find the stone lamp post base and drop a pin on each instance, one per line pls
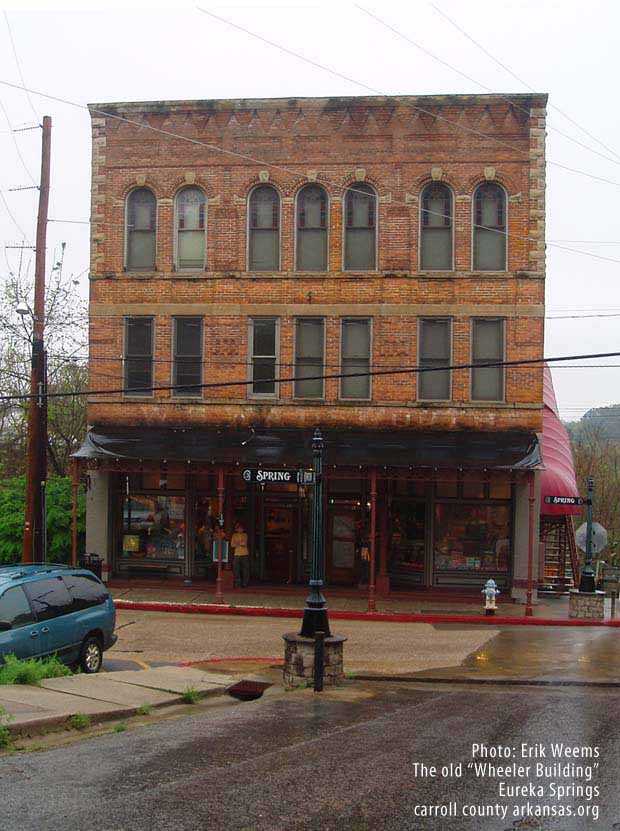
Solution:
(586, 605)
(299, 660)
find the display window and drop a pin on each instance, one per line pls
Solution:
(153, 528)
(470, 537)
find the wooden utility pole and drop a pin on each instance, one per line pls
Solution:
(34, 547)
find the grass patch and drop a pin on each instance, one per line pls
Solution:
(6, 740)
(79, 721)
(190, 695)
(349, 674)
(120, 728)
(144, 710)
(31, 671)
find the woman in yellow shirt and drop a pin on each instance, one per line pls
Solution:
(241, 554)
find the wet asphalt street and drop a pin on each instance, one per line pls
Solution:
(342, 760)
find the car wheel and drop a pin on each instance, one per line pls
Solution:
(91, 655)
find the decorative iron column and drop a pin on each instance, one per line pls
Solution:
(219, 596)
(586, 583)
(530, 549)
(315, 613)
(372, 606)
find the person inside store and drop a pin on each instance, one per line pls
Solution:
(241, 557)
(362, 545)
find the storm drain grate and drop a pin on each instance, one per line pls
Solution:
(248, 690)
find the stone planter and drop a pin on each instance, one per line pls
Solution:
(586, 605)
(299, 660)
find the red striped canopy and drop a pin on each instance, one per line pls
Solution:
(558, 478)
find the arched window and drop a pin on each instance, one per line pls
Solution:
(189, 217)
(311, 229)
(141, 230)
(360, 209)
(264, 229)
(436, 248)
(490, 228)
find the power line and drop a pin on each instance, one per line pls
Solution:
(19, 69)
(514, 104)
(375, 91)
(520, 80)
(15, 142)
(207, 362)
(290, 171)
(581, 316)
(416, 370)
(13, 219)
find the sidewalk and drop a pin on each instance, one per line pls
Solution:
(107, 695)
(550, 610)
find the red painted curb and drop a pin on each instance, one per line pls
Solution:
(231, 661)
(384, 617)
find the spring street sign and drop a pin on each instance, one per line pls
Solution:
(282, 476)
(565, 500)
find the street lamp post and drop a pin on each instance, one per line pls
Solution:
(315, 613)
(587, 584)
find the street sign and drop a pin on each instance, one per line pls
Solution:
(282, 476)
(599, 537)
(564, 500)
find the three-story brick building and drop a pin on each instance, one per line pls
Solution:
(263, 267)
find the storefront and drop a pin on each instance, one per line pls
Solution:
(451, 524)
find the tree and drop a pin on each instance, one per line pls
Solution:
(59, 516)
(66, 341)
(596, 454)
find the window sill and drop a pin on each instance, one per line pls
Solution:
(258, 397)
(136, 396)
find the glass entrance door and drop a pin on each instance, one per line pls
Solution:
(341, 544)
(280, 543)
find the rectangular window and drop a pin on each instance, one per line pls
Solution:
(355, 357)
(263, 355)
(487, 383)
(435, 350)
(138, 355)
(187, 366)
(309, 356)
(154, 527)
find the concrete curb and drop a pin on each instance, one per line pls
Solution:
(500, 682)
(37, 726)
(381, 617)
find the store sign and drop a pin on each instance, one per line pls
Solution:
(282, 476)
(564, 500)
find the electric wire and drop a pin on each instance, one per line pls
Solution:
(287, 170)
(416, 370)
(16, 143)
(19, 69)
(513, 103)
(375, 91)
(520, 80)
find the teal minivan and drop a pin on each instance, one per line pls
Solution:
(55, 610)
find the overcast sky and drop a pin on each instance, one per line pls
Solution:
(113, 51)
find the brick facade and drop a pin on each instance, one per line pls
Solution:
(395, 145)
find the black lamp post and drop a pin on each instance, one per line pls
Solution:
(586, 584)
(315, 613)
